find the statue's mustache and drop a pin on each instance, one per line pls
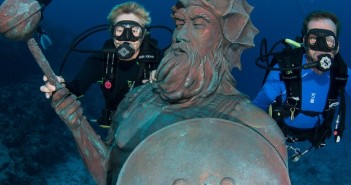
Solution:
(179, 48)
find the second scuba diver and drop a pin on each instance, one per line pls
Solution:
(306, 97)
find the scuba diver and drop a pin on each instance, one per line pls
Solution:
(127, 60)
(43, 37)
(305, 87)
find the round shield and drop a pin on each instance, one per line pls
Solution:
(204, 151)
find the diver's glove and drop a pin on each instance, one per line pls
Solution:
(67, 107)
(152, 77)
(48, 88)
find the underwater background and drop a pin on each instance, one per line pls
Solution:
(37, 148)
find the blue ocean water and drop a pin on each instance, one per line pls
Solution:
(36, 147)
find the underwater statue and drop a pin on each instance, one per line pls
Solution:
(190, 126)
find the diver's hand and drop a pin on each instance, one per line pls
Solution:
(48, 88)
(152, 77)
(67, 107)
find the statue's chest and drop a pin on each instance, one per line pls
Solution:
(147, 119)
(148, 115)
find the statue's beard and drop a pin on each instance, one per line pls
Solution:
(185, 77)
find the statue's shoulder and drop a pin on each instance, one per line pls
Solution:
(244, 109)
(240, 108)
(247, 113)
(135, 96)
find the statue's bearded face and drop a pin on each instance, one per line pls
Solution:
(191, 67)
(198, 28)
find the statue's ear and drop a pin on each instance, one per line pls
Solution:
(241, 38)
(239, 31)
(237, 27)
(233, 25)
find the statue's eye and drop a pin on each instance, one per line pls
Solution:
(179, 23)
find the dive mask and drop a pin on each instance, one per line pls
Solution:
(128, 31)
(321, 40)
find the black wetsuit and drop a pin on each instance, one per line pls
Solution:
(125, 74)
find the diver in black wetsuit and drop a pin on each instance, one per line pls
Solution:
(128, 60)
